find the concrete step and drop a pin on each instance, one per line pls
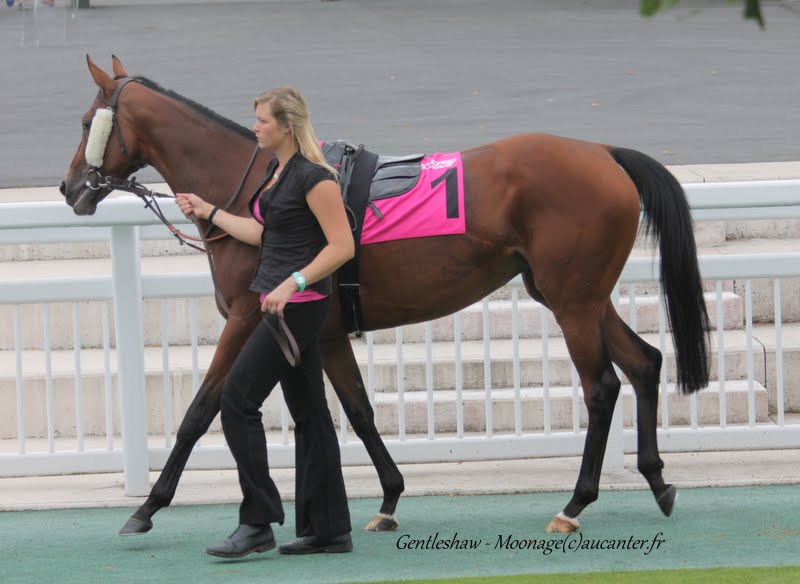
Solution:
(90, 314)
(562, 404)
(707, 234)
(530, 315)
(763, 289)
(560, 366)
(182, 382)
(530, 367)
(150, 247)
(80, 243)
(209, 325)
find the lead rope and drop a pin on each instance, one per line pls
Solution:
(282, 334)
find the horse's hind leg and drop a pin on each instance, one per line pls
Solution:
(641, 363)
(198, 417)
(587, 346)
(340, 365)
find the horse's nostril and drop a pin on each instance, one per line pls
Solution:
(63, 188)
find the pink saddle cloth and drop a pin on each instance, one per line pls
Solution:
(435, 206)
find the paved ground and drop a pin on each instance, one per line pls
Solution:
(686, 470)
(687, 87)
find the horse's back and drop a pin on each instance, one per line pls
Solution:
(545, 172)
(543, 153)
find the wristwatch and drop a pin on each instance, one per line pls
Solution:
(300, 280)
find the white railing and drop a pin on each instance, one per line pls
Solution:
(123, 221)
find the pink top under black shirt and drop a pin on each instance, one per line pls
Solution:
(305, 295)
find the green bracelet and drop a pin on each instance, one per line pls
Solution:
(300, 280)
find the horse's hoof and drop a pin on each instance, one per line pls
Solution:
(666, 500)
(563, 524)
(382, 522)
(136, 526)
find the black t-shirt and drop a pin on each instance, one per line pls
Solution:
(292, 235)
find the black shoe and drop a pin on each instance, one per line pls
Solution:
(314, 544)
(245, 540)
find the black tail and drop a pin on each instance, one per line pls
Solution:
(667, 213)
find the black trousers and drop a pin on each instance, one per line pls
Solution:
(321, 501)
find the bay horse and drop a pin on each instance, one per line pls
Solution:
(562, 213)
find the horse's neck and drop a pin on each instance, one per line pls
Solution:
(198, 155)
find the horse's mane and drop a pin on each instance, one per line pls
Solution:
(230, 124)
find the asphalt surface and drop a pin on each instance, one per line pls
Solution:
(696, 85)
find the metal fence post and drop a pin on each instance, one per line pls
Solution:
(127, 285)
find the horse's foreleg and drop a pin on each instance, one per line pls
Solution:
(588, 349)
(340, 365)
(641, 363)
(195, 423)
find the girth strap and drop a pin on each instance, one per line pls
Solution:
(346, 170)
(357, 194)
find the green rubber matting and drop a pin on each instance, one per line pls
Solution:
(782, 575)
(451, 537)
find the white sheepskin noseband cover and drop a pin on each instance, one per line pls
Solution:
(98, 136)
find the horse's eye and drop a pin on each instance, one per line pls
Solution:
(86, 126)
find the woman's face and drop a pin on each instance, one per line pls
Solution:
(269, 132)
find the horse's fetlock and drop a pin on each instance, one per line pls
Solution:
(649, 467)
(585, 493)
(656, 359)
(651, 470)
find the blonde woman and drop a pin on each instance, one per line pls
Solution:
(299, 222)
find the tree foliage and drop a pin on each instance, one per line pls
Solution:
(752, 8)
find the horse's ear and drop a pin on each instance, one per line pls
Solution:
(101, 78)
(116, 65)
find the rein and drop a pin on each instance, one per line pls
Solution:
(149, 197)
(282, 334)
(96, 181)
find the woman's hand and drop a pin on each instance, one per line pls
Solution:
(191, 203)
(276, 300)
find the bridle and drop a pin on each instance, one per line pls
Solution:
(285, 339)
(133, 164)
(96, 181)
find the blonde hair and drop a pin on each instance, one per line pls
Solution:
(289, 108)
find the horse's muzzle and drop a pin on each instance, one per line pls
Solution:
(83, 200)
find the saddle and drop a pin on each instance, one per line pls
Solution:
(392, 175)
(365, 177)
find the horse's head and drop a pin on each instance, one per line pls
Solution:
(108, 146)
